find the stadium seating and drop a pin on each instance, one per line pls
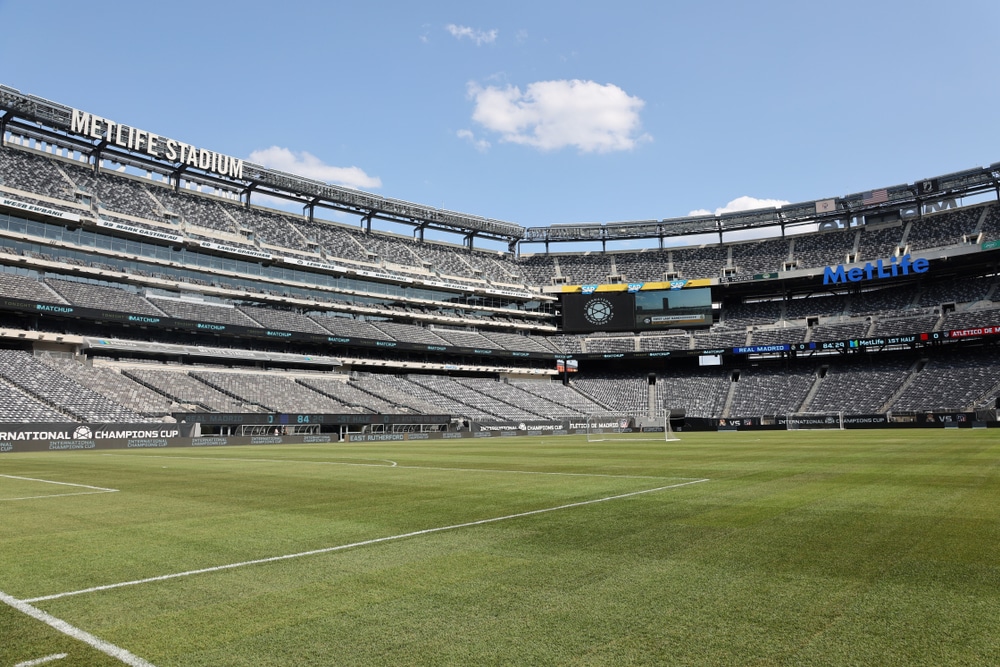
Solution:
(25, 287)
(951, 382)
(273, 392)
(89, 295)
(63, 393)
(53, 263)
(865, 385)
(193, 395)
(114, 386)
(18, 406)
(770, 391)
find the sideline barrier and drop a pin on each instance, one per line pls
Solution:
(80, 444)
(77, 437)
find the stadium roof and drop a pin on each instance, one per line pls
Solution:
(93, 135)
(102, 136)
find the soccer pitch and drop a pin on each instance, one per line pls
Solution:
(752, 548)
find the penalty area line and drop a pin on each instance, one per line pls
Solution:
(363, 543)
(403, 467)
(107, 648)
(49, 481)
(57, 495)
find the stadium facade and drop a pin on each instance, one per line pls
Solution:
(144, 278)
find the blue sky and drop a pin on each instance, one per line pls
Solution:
(539, 112)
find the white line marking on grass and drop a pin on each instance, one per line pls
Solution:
(42, 661)
(544, 472)
(396, 465)
(57, 495)
(363, 543)
(49, 481)
(222, 458)
(116, 652)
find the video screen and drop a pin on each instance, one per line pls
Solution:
(638, 311)
(671, 309)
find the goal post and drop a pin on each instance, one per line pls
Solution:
(604, 427)
(814, 421)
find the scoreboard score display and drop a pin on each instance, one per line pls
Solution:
(637, 311)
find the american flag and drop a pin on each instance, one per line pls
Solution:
(875, 197)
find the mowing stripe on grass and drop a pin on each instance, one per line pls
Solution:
(396, 465)
(116, 652)
(42, 661)
(377, 540)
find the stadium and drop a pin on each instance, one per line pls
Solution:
(159, 299)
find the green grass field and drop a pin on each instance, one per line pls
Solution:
(804, 548)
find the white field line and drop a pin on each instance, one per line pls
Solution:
(396, 465)
(342, 547)
(56, 495)
(49, 481)
(62, 626)
(96, 489)
(42, 661)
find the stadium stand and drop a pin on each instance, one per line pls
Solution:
(878, 243)
(942, 230)
(350, 394)
(700, 393)
(348, 326)
(175, 383)
(840, 330)
(617, 392)
(759, 256)
(868, 382)
(665, 341)
(272, 392)
(284, 320)
(56, 389)
(26, 287)
(202, 311)
(778, 335)
(769, 391)
(568, 397)
(824, 248)
(133, 270)
(422, 389)
(965, 291)
(114, 386)
(703, 262)
(18, 406)
(89, 295)
(408, 333)
(395, 390)
(35, 174)
(951, 382)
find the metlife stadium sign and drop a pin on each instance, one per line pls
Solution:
(159, 147)
(891, 268)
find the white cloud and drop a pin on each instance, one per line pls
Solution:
(482, 145)
(308, 165)
(480, 37)
(743, 203)
(555, 114)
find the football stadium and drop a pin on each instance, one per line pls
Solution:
(235, 429)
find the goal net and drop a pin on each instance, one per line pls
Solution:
(814, 420)
(606, 427)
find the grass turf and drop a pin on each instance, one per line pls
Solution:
(804, 548)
